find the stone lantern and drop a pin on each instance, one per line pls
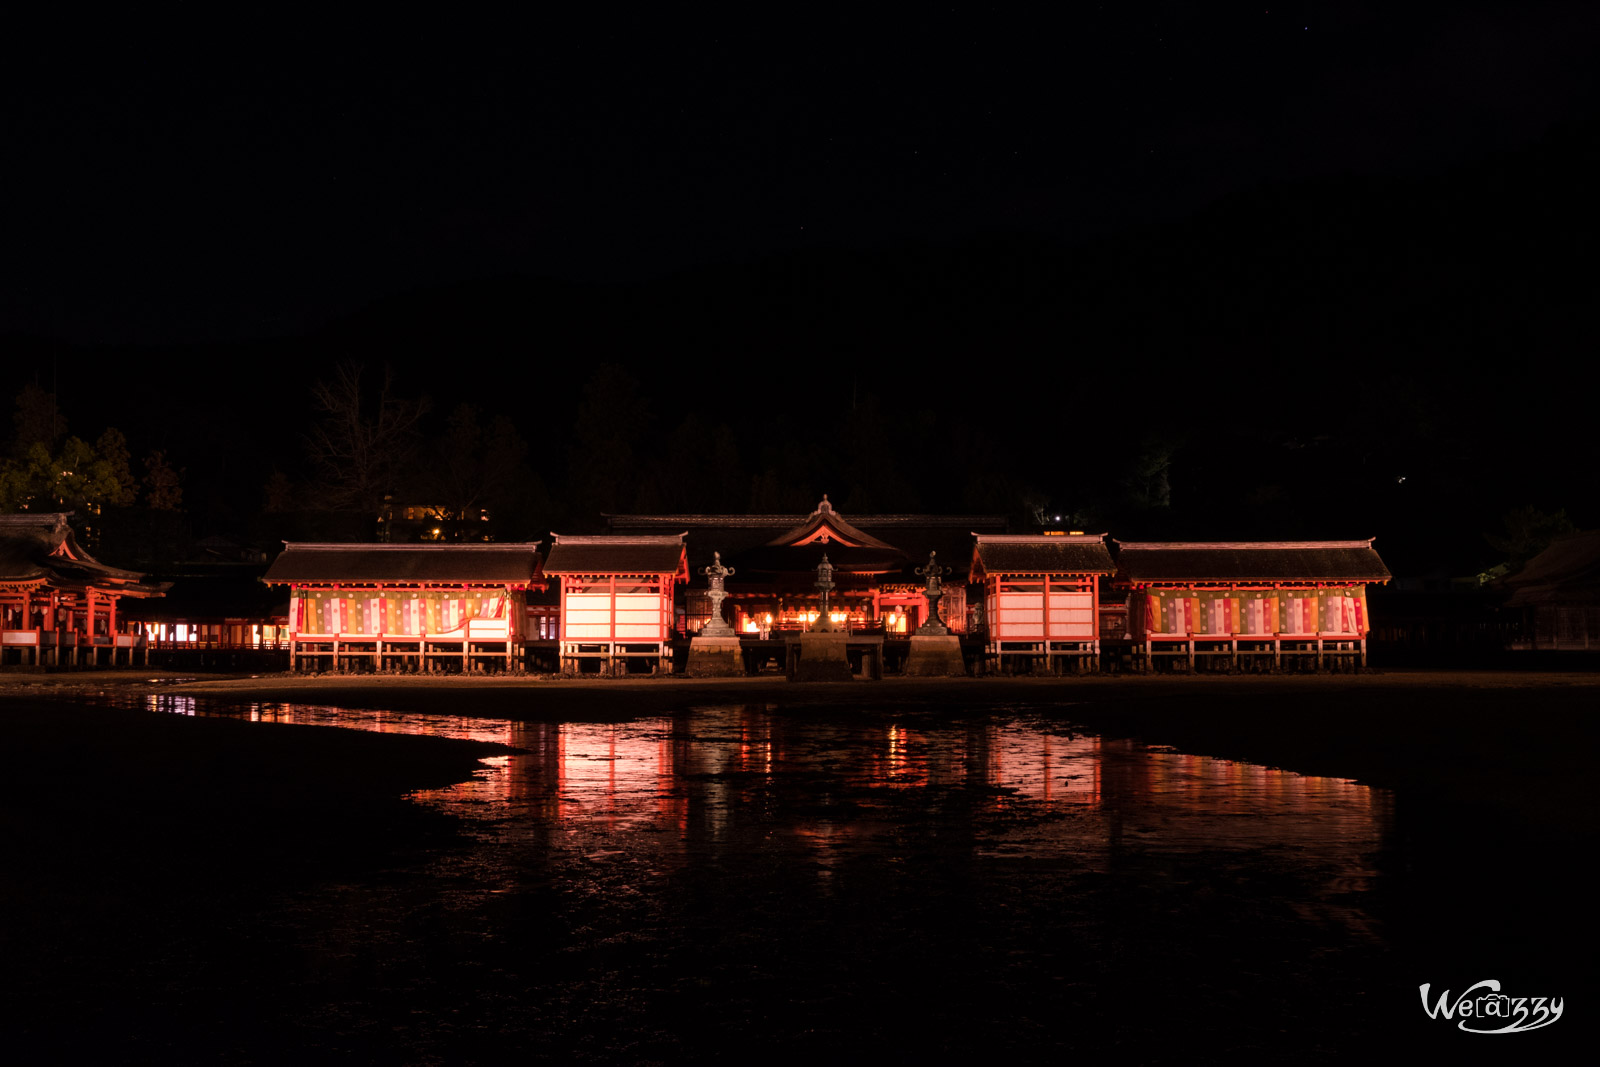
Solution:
(825, 584)
(934, 592)
(715, 574)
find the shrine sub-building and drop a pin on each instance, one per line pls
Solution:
(407, 607)
(617, 599)
(1249, 602)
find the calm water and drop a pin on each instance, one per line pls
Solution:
(710, 781)
(672, 888)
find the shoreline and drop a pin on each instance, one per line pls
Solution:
(1507, 742)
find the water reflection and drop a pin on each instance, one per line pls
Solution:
(750, 780)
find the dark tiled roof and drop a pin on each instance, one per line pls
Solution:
(215, 597)
(637, 523)
(1567, 571)
(450, 564)
(616, 554)
(737, 536)
(785, 559)
(38, 547)
(1068, 554)
(1249, 561)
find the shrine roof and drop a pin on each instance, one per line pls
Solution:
(826, 524)
(786, 522)
(214, 598)
(848, 559)
(41, 548)
(617, 554)
(1568, 571)
(490, 564)
(1244, 561)
(1038, 554)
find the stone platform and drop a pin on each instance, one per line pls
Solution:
(935, 657)
(715, 657)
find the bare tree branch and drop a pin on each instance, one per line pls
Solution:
(360, 451)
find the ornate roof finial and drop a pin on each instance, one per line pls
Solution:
(824, 507)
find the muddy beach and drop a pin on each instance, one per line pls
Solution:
(669, 871)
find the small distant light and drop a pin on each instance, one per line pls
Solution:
(1400, 480)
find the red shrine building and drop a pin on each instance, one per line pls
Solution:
(617, 599)
(633, 600)
(457, 607)
(1249, 602)
(875, 559)
(58, 604)
(1041, 597)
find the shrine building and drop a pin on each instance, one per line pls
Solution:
(412, 607)
(1249, 602)
(875, 559)
(617, 599)
(58, 604)
(1041, 597)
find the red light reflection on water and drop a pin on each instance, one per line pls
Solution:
(749, 779)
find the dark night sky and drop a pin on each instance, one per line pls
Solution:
(235, 180)
(1380, 197)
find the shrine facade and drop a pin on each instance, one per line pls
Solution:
(617, 599)
(875, 560)
(1041, 597)
(1253, 603)
(407, 607)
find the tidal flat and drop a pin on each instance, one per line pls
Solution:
(668, 871)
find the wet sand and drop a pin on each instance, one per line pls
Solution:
(203, 889)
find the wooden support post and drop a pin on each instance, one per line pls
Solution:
(1277, 652)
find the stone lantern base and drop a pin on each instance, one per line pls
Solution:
(715, 657)
(820, 657)
(935, 657)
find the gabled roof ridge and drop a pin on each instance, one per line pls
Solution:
(424, 546)
(1042, 539)
(788, 521)
(617, 539)
(1225, 545)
